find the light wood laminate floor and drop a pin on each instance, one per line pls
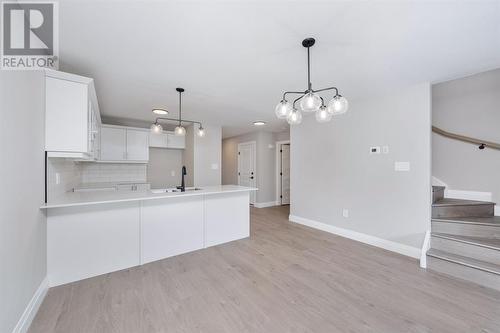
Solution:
(284, 278)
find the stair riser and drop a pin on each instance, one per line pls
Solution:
(462, 229)
(437, 194)
(474, 275)
(463, 211)
(466, 250)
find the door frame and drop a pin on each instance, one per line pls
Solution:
(278, 169)
(254, 143)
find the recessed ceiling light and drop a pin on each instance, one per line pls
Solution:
(160, 111)
(259, 123)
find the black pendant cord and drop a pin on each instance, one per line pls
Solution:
(45, 176)
(180, 108)
(309, 85)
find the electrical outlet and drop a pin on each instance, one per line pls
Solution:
(345, 212)
(172, 173)
(215, 166)
(385, 150)
(58, 178)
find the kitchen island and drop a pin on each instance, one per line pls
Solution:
(93, 233)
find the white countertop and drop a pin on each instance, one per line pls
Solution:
(70, 199)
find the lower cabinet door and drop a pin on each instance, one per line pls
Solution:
(170, 227)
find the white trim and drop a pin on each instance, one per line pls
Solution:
(32, 308)
(468, 195)
(360, 237)
(266, 204)
(497, 210)
(425, 247)
(277, 173)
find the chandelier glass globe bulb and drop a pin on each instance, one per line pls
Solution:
(201, 132)
(294, 118)
(311, 102)
(322, 115)
(156, 128)
(283, 109)
(180, 131)
(338, 105)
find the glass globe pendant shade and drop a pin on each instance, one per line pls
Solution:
(338, 105)
(201, 132)
(283, 109)
(310, 102)
(294, 118)
(322, 115)
(180, 131)
(156, 128)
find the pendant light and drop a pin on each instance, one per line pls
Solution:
(179, 129)
(309, 100)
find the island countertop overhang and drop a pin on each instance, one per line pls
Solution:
(72, 199)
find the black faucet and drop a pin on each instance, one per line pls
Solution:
(183, 173)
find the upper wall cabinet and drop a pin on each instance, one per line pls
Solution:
(72, 118)
(167, 140)
(124, 144)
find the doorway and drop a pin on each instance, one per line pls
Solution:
(247, 175)
(283, 172)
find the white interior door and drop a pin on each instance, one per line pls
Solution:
(247, 175)
(285, 174)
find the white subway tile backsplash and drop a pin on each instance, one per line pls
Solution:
(72, 174)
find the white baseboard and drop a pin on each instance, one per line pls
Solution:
(360, 237)
(425, 247)
(467, 195)
(265, 204)
(32, 308)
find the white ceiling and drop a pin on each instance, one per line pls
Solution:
(235, 59)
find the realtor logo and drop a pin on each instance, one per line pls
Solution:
(29, 35)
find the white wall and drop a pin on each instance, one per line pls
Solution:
(469, 106)
(266, 161)
(208, 156)
(202, 156)
(162, 163)
(331, 168)
(22, 223)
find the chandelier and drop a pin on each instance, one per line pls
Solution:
(179, 130)
(309, 100)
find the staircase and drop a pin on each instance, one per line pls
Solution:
(465, 239)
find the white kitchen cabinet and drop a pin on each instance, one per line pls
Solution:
(124, 144)
(137, 145)
(158, 140)
(113, 144)
(176, 142)
(71, 116)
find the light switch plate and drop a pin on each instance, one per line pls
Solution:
(385, 149)
(345, 212)
(58, 178)
(215, 166)
(402, 166)
(172, 173)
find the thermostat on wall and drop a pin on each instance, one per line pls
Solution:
(375, 150)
